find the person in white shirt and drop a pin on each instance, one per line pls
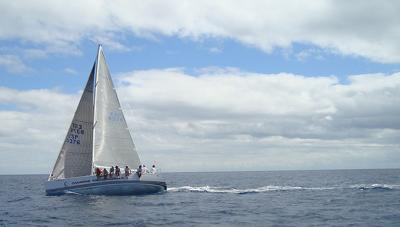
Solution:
(153, 169)
(144, 169)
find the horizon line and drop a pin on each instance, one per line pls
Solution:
(225, 171)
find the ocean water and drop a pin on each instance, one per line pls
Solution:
(276, 198)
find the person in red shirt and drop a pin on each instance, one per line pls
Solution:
(98, 172)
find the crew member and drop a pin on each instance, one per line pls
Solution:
(139, 171)
(98, 172)
(105, 173)
(111, 171)
(127, 171)
(153, 169)
(117, 171)
(144, 169)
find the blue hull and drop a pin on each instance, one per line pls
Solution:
(112, 187)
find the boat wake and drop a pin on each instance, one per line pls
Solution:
(268, 188)
(271, 188)
(376, 186)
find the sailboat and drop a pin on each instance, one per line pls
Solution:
(97, 139)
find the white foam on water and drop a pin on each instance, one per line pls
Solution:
(269, 188)
(211, 189)
(73, 193)
(375, 186)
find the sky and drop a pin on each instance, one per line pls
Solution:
(208, 85)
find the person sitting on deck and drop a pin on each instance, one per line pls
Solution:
(139, 171)
(144, 169)
(153, 169)
(98, 172)
(127, 171)
(111, 171)
(117, 171)
(105, 173)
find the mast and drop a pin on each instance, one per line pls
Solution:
(95, 101)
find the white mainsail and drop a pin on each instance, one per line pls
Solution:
(98, 135)
(113, 144)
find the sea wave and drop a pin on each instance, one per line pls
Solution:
(211, 189)
(19, 199)
(376, 186)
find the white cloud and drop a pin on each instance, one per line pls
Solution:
(34, 53)
(13, 64)
(228, 119)
(223, 120)
(310, 53)
(33, 126)
(215, 50)
(70, 71)
(359, 28)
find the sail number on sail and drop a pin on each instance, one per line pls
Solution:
(115, 116)
(74, 132)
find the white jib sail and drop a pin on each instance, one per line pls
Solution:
(75, 158)
(113, 144)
